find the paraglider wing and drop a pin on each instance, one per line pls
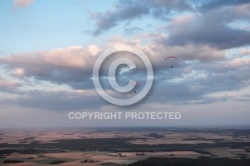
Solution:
(171, 57)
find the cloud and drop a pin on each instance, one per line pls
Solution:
(157, 50)
(18, 72)
(128, 10)
(125, 10)
(197, 27)
(161, 9)
(22, 3)
(181, 87)
(200, 71)
(8, 86)
(72, 65)
(132, 30)
(215, 4)
(56, 100)
(211, 29)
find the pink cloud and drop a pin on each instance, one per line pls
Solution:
(22, 3)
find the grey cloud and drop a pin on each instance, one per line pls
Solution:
(160, 8)
(195, 90)
(127, 10)
(9, 86)
(215, 4)
(132, 30)
(56, 101)
(124, 10)
(187, 91)
(211, 29)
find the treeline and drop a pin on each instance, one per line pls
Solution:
(191, 162)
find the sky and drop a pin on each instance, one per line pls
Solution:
(48, 50)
